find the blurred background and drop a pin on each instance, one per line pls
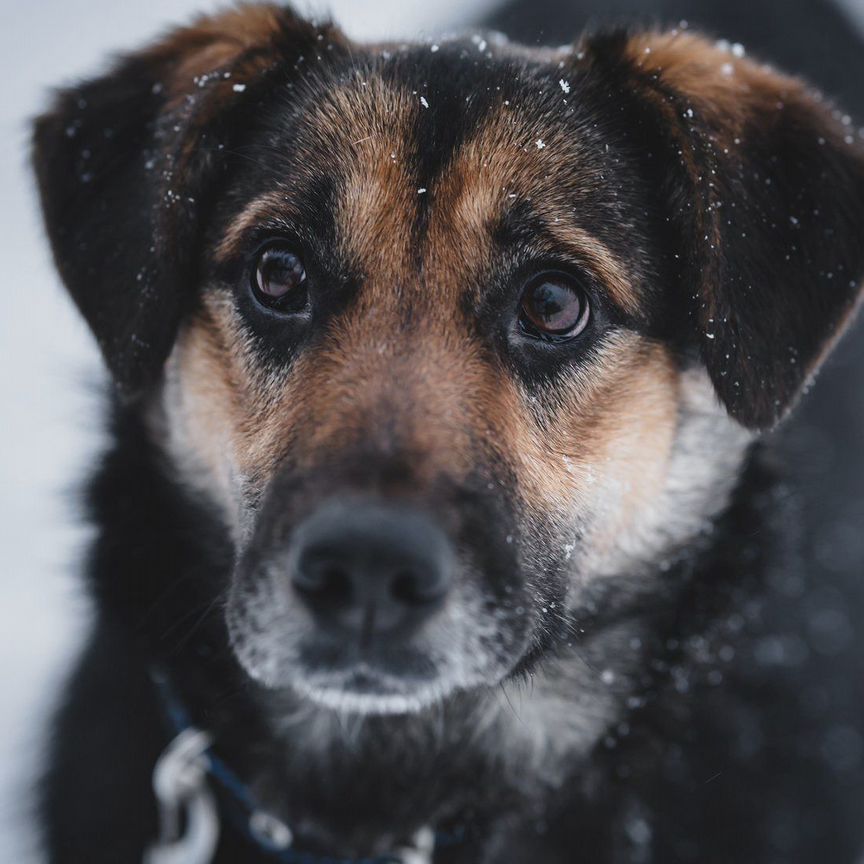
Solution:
(49, 370)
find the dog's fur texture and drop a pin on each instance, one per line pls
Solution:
(632, 665)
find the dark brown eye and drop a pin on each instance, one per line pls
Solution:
(554, 306)
(280, 280)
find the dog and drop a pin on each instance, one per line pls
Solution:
(437, 523)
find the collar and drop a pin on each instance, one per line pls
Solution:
(191, 816)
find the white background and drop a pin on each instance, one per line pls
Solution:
(49, 368)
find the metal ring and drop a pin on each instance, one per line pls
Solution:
(270, 832)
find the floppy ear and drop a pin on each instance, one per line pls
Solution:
(765, 190)
(127, 163)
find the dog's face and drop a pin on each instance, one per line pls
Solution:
(417, 319)
(464, 341)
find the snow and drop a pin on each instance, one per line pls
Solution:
(736, 49)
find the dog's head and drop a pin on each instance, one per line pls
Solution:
(457, 337)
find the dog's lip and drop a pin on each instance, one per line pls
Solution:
(369, 689)
(366, 678)
(366, 665)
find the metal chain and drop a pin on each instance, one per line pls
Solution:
(189, 816)
(186, 803)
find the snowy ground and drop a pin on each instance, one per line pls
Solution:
(47, 358)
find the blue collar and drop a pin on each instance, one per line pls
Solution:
(180, 784)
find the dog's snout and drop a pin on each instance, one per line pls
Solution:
(371, 568)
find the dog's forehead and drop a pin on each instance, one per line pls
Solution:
(422, 158)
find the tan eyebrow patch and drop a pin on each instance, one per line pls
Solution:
(360, 136)
(503, 164)
(263, 209)
(601, 260)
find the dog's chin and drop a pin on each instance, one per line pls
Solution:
(364, 689)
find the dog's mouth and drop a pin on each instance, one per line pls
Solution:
(374, 684)
(368, 673)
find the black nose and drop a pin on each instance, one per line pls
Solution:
(371, 568)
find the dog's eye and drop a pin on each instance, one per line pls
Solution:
(279, 281)
(554, 306)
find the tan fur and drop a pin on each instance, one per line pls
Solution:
(718, 81)
(616, 429)
(609, 440)
(212, 45)
(502, 166)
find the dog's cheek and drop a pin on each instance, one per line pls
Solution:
(668, 470)
(621, 459)
(638, 456)
(596, 452)
(201, 417)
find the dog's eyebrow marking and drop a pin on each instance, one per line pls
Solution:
(489, 180)
(601, 260)
(370, 123)
(551, 229)
(275, 204)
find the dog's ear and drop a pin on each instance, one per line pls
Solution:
(126, 164)
(765, 190)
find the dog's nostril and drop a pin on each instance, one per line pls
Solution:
(337, 583)
(371, 563)
(320, 581)
(413, 588)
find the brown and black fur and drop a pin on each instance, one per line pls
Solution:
(596, 689)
